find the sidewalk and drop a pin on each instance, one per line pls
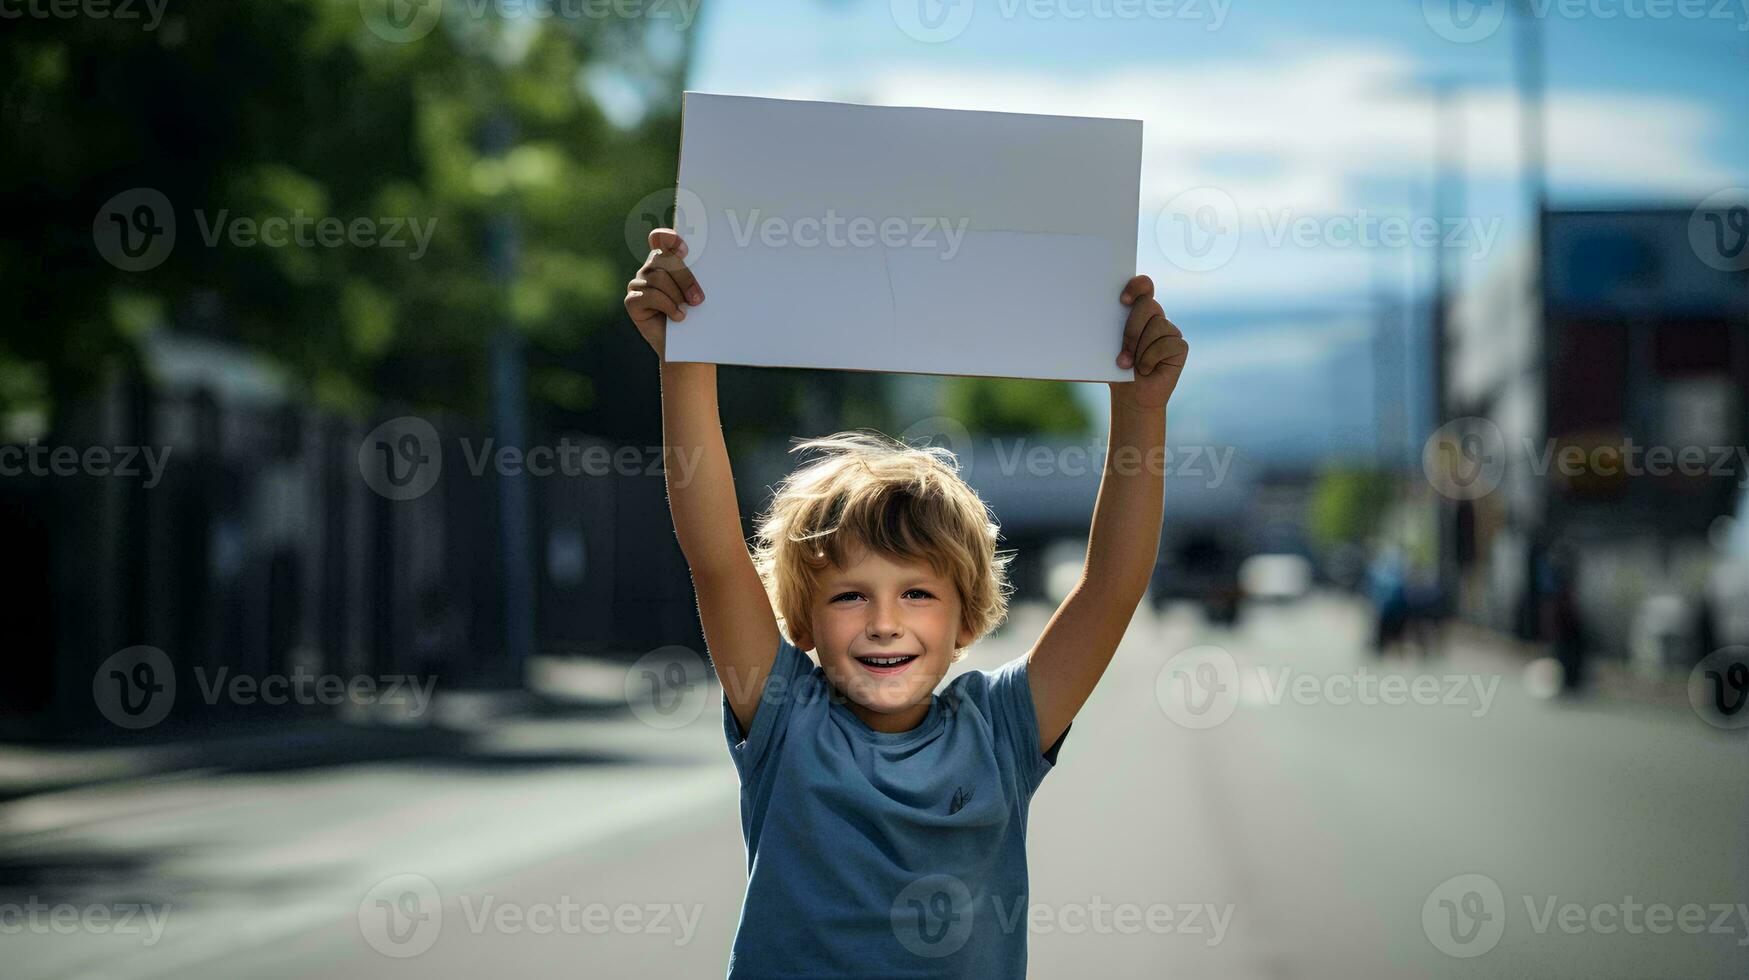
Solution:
(267, 741)
(1610, 681)
(252, 842)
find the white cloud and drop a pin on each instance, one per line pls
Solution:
(1308, 124)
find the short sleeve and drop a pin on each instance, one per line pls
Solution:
(1017, 723)
(789, 671)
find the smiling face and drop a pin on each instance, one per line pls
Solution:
(885, 631)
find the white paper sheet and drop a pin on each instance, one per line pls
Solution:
(923, 241)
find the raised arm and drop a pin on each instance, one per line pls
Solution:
(1077, 644)
(740, 628)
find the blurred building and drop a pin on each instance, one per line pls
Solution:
(1617, 407)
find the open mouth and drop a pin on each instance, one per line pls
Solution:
(886, 665)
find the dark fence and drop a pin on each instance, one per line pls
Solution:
(245, 538)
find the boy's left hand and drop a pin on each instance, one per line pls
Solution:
(1153, 345)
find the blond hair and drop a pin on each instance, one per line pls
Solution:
(869, 490)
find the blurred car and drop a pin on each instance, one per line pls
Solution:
(1275, 578)
(1201, 567)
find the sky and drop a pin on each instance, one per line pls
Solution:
(1290, 129)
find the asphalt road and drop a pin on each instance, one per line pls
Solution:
(1257, 802)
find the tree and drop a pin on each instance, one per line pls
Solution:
(238, 113)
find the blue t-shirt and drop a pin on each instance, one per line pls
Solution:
(891, 855)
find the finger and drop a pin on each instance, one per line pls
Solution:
(646, 298)
(671, 263)
(668, 240)
(1141, 287)
(1140, 314)
(661, 279)
(1169, 347)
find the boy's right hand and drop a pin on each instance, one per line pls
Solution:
(662, 289)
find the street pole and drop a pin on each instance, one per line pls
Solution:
(1448, 202)
(509, 393)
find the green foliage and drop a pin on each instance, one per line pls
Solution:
(1007, 406)
(295, 109)
(1348, 505)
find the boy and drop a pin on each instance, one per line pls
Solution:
(886, 825)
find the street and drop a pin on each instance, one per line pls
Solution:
(1332, 826)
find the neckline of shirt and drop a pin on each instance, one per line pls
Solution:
(931, 721)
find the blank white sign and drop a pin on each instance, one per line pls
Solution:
(921, 241)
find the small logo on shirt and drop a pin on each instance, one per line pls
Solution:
(960, 798)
